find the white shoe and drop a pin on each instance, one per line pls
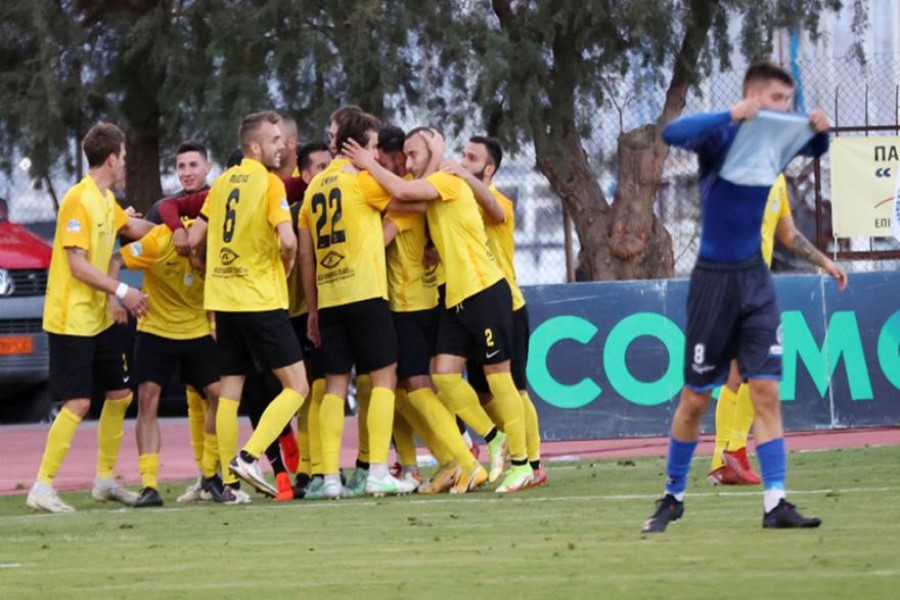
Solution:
(193, 493)
(107, 489)
(235, 496)
(388, 485)
(44, 497)
(412, 478)
(249, 472)
(332, 490)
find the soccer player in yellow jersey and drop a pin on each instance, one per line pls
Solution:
(84, 352)
(312, 159)
(175, 333)
(477, 316)
(413, 300)
(250, 247)
(480, 160)
(734, 410)
(343, 267)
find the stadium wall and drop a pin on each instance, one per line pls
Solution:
(605, 359)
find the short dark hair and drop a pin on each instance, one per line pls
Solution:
(391, 138)
(252, 122)
(304, 153)
(495, 152)
(100, 141)
(234, 158)
(343, 111)
(355, 126)
(765, 71)
(192, 146)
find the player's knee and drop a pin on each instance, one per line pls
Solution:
(693, 404)
(764, 395)
(79, 406)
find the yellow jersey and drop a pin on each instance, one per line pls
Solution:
(778, 206)
(458, 233)
(296, 296)
(88, 220)
(244, 272)
(501, 241)
(174, 289)
(411, 285)
(344, 206)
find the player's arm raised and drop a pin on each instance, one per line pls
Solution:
(399, 189)
(493, 211)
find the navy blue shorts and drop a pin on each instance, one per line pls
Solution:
(731, 314)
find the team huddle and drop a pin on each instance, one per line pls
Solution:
(372, 255)
(298, 267)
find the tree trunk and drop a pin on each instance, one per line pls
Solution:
(622, 240)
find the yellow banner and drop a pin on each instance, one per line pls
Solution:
(864, 173)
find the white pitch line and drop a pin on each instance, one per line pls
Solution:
(475, 498)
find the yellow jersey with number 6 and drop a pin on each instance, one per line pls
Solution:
(244, 272)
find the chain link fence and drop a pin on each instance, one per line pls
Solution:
(852, 95)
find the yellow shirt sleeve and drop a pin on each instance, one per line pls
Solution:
(144, 253)
(372, 191)
(120, 219)
(303, 220)
(276, 202)
(77, 233)
(204, 210)
(403, 221)
(447, 185)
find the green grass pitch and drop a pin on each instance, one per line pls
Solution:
(576, 538)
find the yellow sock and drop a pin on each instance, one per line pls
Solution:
(447, 444)
(109, 435)
(511, 411)
(363, 401)
(404, 430)
(491, 409)
(148, 466)
(315, 427)
(331, 429)
(743, 419)
(417, 408)
(380, 423)
(532, 429)
(59, 440)
(227, 432)
(725, 408)
(278, 413)
(458, 396)
(196, 420)
(303, 437)
(210, 454)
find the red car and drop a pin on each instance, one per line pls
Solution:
(24, 355)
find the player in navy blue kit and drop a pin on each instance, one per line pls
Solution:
(731, 309)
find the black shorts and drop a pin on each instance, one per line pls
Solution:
(416, 332)
(312, 356)
(480, 327)
(359, 333)
(155, 358)
(81, 365)
(475, 372)
(731, 313)
(255, 341)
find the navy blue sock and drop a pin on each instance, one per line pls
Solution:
(679, 463)
(772, 463)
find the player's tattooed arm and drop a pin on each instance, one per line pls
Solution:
(803, 248)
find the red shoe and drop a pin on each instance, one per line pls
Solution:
(284, 486)
(738, 461)
(539, 478)
(290, 453)
(724, 475)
